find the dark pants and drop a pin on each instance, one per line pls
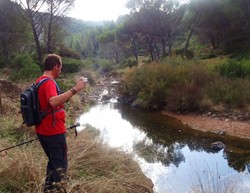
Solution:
(55, 147)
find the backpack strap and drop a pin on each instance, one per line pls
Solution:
(42, 81)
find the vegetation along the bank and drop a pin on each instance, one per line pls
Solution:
(220, 84)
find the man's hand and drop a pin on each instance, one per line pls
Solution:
(80, 84)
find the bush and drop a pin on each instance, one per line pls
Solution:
(149, 85)
(69, 53)
(187, 88)
(71, 65)
(235, 69)
(232, 93)
(24, 68)
(130, 62)
(182, 87)
(103, 66)
(187, 54)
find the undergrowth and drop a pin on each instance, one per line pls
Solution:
(189, 85)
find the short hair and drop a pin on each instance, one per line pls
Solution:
(51, 60)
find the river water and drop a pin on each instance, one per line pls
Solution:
(176, 158)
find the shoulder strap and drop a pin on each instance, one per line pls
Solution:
(41, 82)
(46, 79)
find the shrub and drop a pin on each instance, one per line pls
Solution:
(187, 88)
(104, 66)
(130, 62)
(155, 85)
(232, 93)
(148, 85)
(89, 64)
(69, 53)
(71, 65)
(235, 69)
(24, 68)
(187, 54)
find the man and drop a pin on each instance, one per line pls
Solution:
(51, 131)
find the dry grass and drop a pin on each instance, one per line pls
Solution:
(210, 181)
(93, 167)
(102, 169)
(22, 169)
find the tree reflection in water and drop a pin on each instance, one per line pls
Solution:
(168, 136)
(169, 151)
(153, 152)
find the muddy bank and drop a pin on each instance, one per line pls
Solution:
(221, 126)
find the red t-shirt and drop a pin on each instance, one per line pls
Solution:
(45, 92)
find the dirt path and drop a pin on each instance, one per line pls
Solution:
(219, 125)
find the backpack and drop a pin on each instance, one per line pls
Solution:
(30, 107)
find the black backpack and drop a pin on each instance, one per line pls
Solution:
(30, 107)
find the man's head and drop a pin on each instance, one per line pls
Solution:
(53, 62)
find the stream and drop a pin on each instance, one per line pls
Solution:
(175, 157)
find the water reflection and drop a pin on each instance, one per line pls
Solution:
(167, 131)
(171, 154)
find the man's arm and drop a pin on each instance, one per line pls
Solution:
(64, 97)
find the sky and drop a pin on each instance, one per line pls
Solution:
(98, 10)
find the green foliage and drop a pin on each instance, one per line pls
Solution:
(103, 66)
(235, 68)
(69, 53)
(71, 65)
(187, 87)
(8, 131)
(148, 83)
(188, 53)
(233, 93)
(130, 62)
(190, 86)
(14, 31)
(24, 68)
(65, 84)
(4, 189)
(242, 55)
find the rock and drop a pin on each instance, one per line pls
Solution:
(106, 97)
(220, 132)
(218, 145)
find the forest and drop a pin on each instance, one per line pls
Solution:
(164, 33)
(154, 29)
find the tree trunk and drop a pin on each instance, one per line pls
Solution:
(50, 29)
(163, 43)
(38, 46)
(170, 50)
(151, 50)
(135, 50)
(187, 43)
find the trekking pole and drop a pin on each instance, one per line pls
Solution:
(19, 144)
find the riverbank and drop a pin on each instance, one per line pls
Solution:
(237, 125)
(93, 165)
(222, 126)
